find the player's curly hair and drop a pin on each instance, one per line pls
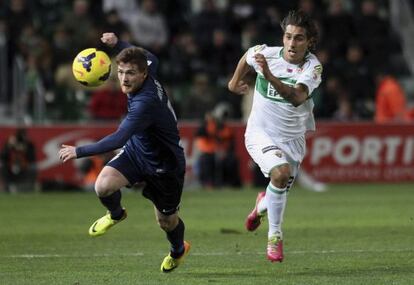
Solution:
(133, 55)
(301, 19)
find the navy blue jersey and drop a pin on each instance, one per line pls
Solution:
(149, 133)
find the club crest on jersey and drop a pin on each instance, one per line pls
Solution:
(317, 71)
(279, 153)
(258, 48)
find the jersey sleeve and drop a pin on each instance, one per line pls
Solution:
(251, 53)
(152, 62)
(111, 142)
(120, 45)
(311, 75)
(138, 119)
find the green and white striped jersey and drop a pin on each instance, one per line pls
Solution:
(271, 113)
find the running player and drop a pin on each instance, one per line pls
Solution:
(281, 114)
(150, 152)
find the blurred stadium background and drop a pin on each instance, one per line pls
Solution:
(358, 232)
(199, 44)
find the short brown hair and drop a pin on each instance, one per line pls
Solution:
(133, 55)
(301, 19)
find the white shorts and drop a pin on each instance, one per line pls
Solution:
(268, 154)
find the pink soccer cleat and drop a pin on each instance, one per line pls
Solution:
(254, 219)
(275, 249)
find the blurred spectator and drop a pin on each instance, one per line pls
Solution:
(48, 14)
(356, 70)
(18, 158)
(114, 24)
(126, 9)
(328, 99)
(18, 15)
(108, 102)
(338, 27)
(177, 14)
(78, 22)
(62, 47)
(148, 27)
(309, 7)
(67, 102)
(250, 35)
(221, 55)
(200, 98)
(185, 57)
(391, 102)
(205, 22)
(240, 12)
(269, 25)
(345, 111)
(373, 33)
(217, 164)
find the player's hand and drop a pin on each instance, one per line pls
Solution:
(67, 152)
(262, 62)
(110, 39)
(239, 88)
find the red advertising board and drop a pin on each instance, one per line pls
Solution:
(361, 153)
(336, 152)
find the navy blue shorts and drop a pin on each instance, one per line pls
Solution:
(164, 190)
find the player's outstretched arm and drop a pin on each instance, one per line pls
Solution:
(236, 84)
(112, 41)
(295, 95)
(111, 142)
(67, 152)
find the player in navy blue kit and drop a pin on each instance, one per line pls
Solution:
(149, 139)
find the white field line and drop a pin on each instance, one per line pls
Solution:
(132, 254)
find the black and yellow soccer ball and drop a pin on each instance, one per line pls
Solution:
(91, 67)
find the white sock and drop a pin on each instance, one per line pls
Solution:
(276, 202)
(262, 205)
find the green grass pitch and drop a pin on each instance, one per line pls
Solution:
(352, 234)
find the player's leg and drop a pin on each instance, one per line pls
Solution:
(107, 187)
(165, 193)
(256, 216)
(174, 228)
(276, 197)
(282, 176)
(115, 175)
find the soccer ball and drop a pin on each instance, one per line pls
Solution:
(91, 67)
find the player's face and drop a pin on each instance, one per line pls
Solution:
(130, 78)
(295, 44)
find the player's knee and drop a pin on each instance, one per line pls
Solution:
(103, 187)
(167, 224)
(280, 176)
